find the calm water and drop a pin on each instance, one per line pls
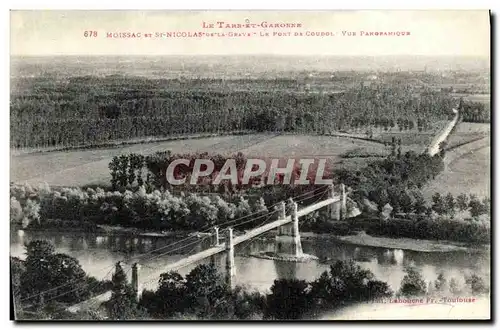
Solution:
(97, 255)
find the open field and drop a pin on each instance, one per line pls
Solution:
(467, 170)
(467, 166)
(482, 98)
(466, 132)
(82, 167)
(410, 139)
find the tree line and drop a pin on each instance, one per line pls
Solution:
(475, 112)
(392, 179)
(450, 205)
(129, 171)
(92, 111)
(158, 210)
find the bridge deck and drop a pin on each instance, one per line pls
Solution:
(95, 301)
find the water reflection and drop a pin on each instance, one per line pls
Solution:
(398, 256)
(285, 270)
(98, 252)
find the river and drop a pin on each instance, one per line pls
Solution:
(97, 254)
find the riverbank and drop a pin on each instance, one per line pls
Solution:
(360, 239)
(410, 244)
(109, 230)
(284, 257)
(402, 243)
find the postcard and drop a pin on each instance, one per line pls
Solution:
(250, 165)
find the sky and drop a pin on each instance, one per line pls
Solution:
(432, 33)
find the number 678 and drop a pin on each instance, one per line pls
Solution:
(88, 34)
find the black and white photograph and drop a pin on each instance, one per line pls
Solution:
(250, 165)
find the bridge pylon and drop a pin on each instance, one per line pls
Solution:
(288, 238)
(331, 207)
(135, 280)
(338, 210)
(215, 241)
(230, 265)
(343, 202)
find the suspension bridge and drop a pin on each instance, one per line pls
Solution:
(287, 241)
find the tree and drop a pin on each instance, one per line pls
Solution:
(462, 202)
(395, 199)
(114, 167)
(486, 205)
(440, 283)
(454, 287)
(243, 208)
(132, 166)
(412, 284)
(450, 204)
(248, 305)
(169, 298)
(122, 173)
(476, 284)
(17, 270)
(438, 204)
(419, 205)
(393, 147)
(47, 276)
(381, 197)
(259, 207)
(122, 305)
(207, 292)
(16, 211)
(346, 282)
(405, 202)
(66, 269)
(476, 207)
(36, 279)
(378, 289)
(31, 213)
(289, 299)
(203, 294)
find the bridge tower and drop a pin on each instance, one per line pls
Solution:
(343, 203)
(338, 211)
(215, 242)
(135, 280)
(230, 265)
(288, 238)
(332, 210)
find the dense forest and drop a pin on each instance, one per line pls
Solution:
(91, 110)
(475, 112)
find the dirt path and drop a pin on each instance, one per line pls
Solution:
(434, 148)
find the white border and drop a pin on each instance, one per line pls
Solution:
(186, 4)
